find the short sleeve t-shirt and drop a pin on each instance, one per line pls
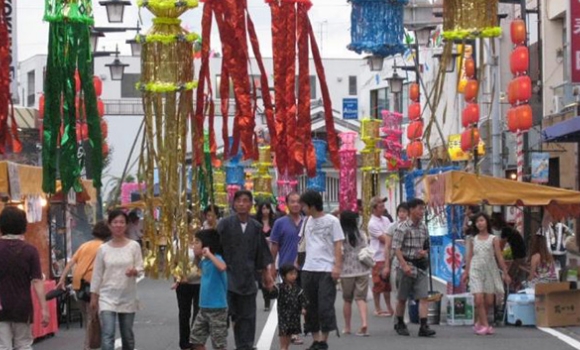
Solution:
(214, 285)
(377, 227)
(285, 233)
(320, 235)
(19, 265)
(84, 259)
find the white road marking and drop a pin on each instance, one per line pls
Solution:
(267, 335)
(563, 337)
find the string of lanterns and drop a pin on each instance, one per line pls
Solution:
(470, 114)
(415, 128)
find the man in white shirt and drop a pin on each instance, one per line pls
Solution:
(323, 236)
(377, 228)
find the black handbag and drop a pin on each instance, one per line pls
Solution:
(84, 293)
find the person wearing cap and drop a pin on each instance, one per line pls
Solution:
(378, 227)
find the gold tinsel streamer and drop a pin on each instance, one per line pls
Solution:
(370, 165)
(167, 69)
(469, 19)
(262, 178)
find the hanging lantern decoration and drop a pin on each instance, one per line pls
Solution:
(519, 116)
(470, 114)
(348, 168)
(469, 139)
(415, 149)
(470, 19)
(415, 128)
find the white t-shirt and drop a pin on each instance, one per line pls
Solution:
(320, 235)
(378, 226)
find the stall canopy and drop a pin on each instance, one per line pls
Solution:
(456, 187)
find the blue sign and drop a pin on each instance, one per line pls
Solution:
(350, 108)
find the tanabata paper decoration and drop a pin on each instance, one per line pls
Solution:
(291, 34)
(262, 178)
(8, 133)
(318, 182)
(167, 83)
(286, 184)
(470, 19)
(392, 142)
(371, 162)
(348, 170)
(205, 183)
(377, 27)
(69, 52)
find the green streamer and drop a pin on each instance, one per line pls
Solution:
(68, 51)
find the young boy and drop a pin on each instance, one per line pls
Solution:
(212, 319)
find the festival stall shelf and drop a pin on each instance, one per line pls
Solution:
(38, 331)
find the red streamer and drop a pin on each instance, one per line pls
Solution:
(8, 134)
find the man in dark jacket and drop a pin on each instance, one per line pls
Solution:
(245, 252)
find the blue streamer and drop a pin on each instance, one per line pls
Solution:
(377, 27)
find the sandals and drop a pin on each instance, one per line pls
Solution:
(363, 332)
(295, 339)
(383, 314)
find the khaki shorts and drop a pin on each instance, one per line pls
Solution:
(210, 323)
(356, 288)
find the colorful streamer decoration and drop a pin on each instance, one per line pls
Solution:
(377, 27)
(262, 178)
(318, 182)
(348, 169)
(292, 35)
(167, 83)
(470, 19)
(392, 142)
(371, 162)
(286, 184)
(8, 133)
(69, 52)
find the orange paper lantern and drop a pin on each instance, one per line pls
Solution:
(518, 31)
(520, 90)
(469, 66)
(415, 111)
(100, 107)
(41, 106)
(469, 139)
(415, 130)
(414, 92)
(104, 128)
(415, 149)
(98, 83)
(520, 118)
(470, 115)
(471, 89)
(520, 60)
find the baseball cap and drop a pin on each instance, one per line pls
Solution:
(376, 200)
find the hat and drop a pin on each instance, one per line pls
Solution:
(376, 200)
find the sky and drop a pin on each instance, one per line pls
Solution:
(330, 20)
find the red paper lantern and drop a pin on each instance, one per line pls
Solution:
(98, 83)
(518, 31)
(415, 111)
(469, 65)
(77, 81)
(105, 149)
(520, 60)
(104, 129)
(414, 92)
(41, 106)
(415, 130)
(415, 149)
(520, 118)
(100, 107)
(470, 115)
(520, 90)
(469, 139)
(470, 91)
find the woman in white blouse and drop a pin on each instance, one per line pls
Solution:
(114, 283)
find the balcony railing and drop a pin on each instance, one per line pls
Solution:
(124, 107)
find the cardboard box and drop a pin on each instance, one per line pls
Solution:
(557, 305)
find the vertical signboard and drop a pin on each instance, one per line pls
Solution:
(540, 167)
(575, 40)
(10, 15)
(350, 108)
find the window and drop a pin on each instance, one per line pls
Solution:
(128, 85)
(379, 101)
(352, 88)
(31, 88)
(312, 87)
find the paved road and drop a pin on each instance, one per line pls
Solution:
(156, 328)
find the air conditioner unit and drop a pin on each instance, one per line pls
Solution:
(556, 104)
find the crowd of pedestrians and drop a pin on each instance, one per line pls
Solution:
(302, 259)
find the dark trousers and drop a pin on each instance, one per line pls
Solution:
(187, 297)
(320, 291)
(242, 309)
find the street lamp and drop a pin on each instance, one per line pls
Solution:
(115, 9)
(117, 68)
(94, 39)
(375, 63)
(396, 82)
(135, 47)
(423, 35)
(450, 63)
